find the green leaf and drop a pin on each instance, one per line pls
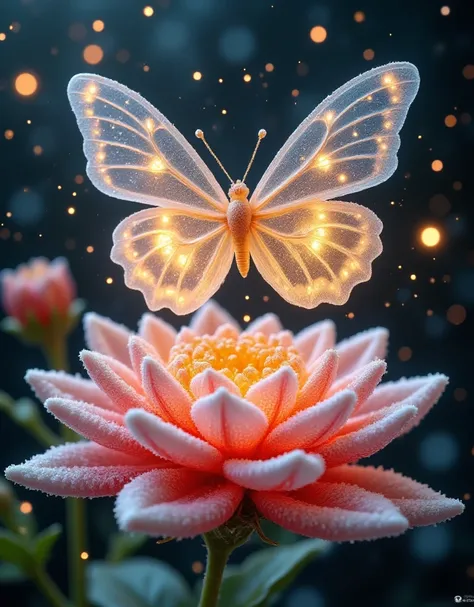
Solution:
(267, 572)
(11, 574)
(13, 549)
(138, 582)
(44, 543)
(122, 545)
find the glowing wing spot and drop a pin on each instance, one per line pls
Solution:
(165, 219)
(169, 291)
(100, 156)
(150, 125)
(108, 180)
(163, 239)
(369, 98)
(323, 163)
(89, 112)
(383, 146)
(322, 216)
(355, 134)
(329, 117)
(387, 79)
(344, 274)
(182, 259)
(354, 265)
(96, 132)
(387, 125)
(342, 178)
(395, 99)
(157, 165)
(316, 245)
(181, 299)
(321, 232)
(168, 251)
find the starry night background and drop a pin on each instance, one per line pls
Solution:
(232, 68)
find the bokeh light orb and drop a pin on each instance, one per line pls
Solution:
(26, 84)
(237, 44)
(430, 236)
(93, 54)
(318, 34)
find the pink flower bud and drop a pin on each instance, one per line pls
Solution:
(38, 290)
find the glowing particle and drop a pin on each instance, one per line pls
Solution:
(412, 276)
(197, 567)
(247, 297)
(26, 84)
(26, 508)
(468, 72)
(315, 245)
(445, 10)
(295, 93)
(405, 353)
(269, 67)
(93, 54)
(456, 314)
(430, 236)
(247, 77)
(246, 318)
(98, 25)
(329, 116)
(351, 315)
(79, 179)
(165, 219)
(148, 11)
(224, 112)
(437, 166)
(359, 16)
(3, 36)
(342, 178)
(146, 68)
(37, 150)
(450, 120)
(8, 134)
(220, 81)
(387, 125)
(387, 79)
(182, 259)
(71, 210)
(197, 75)
(90, 249)
(368, 54)
(157, 165)
(109, 280)
(323, 162)
(84, 556)
(318, 34)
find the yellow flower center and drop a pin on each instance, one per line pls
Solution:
(245, 359)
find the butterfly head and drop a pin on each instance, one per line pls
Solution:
(238, 191)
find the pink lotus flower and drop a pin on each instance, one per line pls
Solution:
(38, 291)
(184, 426)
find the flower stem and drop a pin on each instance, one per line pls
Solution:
(49, 589)
(217, 557)
(56, 354)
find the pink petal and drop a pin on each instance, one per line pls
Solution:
(361, 349)
(172, 443)
(267, 324)
(79, 470)
(321, 377)
(418, 503)
(115, 379)
(139, 348)
(107, 337)
(285, 472)
(313, 341)
(166, 395)
(312, 426)
(363, 381)
(332, 511)
(47, 384)
(96, 424)
(368, 440)
(421, 392)
(275, 395)
(185, 336)
(176, 503)
(209, 381)
(209, 317)
(158, 333)
(229, 423)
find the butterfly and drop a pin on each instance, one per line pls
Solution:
(309, 247)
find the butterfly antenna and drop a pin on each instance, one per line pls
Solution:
(261, 134)
(200, 135)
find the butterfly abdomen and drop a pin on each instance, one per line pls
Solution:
(239, 218)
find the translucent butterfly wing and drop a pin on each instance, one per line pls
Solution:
(177, 260)
(347, 144)
(316, 252)
(135, 153)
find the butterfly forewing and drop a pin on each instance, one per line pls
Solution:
(135, 153)
(178, 261)
(355, 141)
(316, 252)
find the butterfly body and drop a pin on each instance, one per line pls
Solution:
(307, 243)
(239, 220)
